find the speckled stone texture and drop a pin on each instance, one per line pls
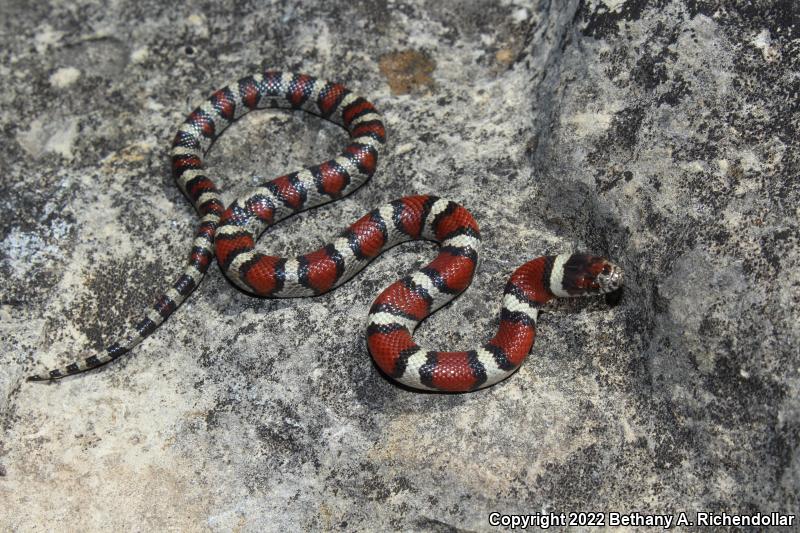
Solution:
(662, 134)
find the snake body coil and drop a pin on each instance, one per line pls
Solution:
(403, 305)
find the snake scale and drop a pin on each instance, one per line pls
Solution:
(230, 235)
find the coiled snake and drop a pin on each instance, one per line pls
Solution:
(399, 308)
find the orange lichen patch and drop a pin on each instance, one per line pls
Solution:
(408, 71)
(504, 56)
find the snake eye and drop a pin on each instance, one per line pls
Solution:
(606, 270)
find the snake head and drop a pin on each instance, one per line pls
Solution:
(585, 274)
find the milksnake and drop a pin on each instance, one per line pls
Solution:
(400, 308)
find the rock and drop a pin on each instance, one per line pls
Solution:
(661, 134)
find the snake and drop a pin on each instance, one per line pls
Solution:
(229, 235)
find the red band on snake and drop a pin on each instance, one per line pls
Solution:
(230, 235)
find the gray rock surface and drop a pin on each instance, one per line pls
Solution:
(663, 134)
